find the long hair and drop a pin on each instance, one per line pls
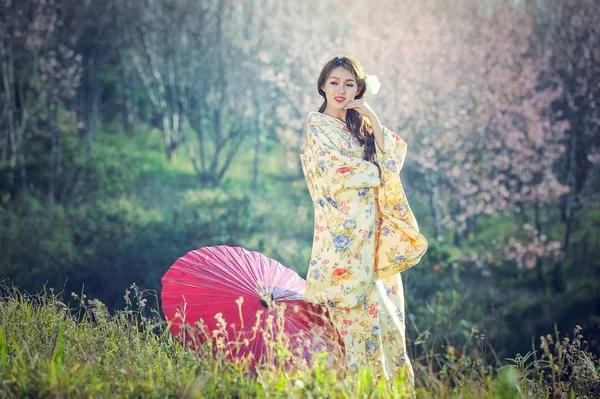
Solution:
(359, 126)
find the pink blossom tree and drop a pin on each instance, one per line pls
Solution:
(39, 69)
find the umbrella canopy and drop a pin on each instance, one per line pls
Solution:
(207, 284)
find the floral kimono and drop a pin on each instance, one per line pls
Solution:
(365, 234)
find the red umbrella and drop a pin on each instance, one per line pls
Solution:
(211, 280)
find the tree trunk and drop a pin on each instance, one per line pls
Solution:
(470, 232)
(127, 108)
(539, 264)
(167, 134)
(568, 180)
(257, 142)
(8, 110)
(540, 275)
(54, 151)
(258, 127)
(13, 135)
(24, 184)
(433, 204)
(566, 210)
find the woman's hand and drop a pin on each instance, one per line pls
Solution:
(360, 105)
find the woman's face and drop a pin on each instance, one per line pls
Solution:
(340, 88)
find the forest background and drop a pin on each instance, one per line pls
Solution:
(132, 132)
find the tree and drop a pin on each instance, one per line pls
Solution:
(39, 69)
(570, 31)
(157, 51)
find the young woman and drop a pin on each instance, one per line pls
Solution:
(365, 232)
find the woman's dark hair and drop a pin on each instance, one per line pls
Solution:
(358, 125)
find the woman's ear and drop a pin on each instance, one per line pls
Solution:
(361, 89)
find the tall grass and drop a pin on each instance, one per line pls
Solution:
(52, 349)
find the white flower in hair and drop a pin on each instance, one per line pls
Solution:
(372, 83)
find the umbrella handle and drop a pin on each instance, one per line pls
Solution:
(264, 303)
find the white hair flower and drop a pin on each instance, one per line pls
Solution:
(372, 83)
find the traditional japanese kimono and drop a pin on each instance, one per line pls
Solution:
(365, 234)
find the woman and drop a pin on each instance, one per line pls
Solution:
(365, 232)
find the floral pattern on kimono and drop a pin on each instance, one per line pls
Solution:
(364, 227)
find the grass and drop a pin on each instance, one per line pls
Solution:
(52, 349)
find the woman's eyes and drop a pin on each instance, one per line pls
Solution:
(349, 84)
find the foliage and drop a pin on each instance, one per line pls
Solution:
(108, 235)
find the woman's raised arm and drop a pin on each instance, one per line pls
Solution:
(339, 171)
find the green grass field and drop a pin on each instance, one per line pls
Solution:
(52, 349)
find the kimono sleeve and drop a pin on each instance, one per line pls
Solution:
(339, 171)
(395, 254)
(392, 159)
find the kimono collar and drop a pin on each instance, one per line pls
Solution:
(327, 119)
